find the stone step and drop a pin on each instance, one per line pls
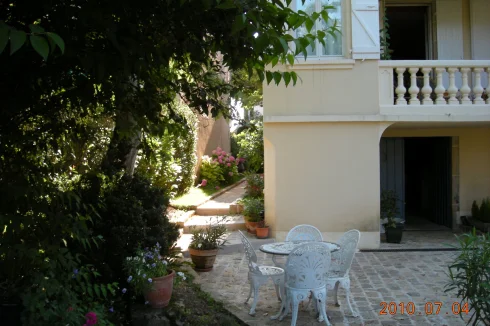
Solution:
(232, 222)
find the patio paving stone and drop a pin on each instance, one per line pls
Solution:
(417, 277)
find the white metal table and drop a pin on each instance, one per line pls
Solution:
(284, 248)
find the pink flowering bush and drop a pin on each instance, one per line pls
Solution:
(219, 169)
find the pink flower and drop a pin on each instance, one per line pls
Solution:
(217, 187)
(220, 161)
(214, 151)
(230, 173)
(91, 318)
(220, 157)
(231, 158)
(228, 164)
(204, 182)
(218, 149)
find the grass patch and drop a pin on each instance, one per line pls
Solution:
(195, 196)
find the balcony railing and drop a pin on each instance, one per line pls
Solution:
(434, 83)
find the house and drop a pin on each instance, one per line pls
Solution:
(354, 125)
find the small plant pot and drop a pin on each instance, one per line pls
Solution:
(158, 296)
(394, 235)
(203, 259)
(262, 233)
(251, 226)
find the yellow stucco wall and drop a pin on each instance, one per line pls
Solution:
(324, 174)
(474, 159)
(326, 90)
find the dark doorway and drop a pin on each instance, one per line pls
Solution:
(428, 182)
(408, 32)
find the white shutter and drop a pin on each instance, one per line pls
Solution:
(449, 30)
(480, 33)
(480, 29)
(365, 29)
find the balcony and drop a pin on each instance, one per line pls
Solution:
(437, 89)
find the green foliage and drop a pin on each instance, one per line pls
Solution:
(384, 38)
(246, 89)
(41, 41)
(475, 210)
(218, 170)
(389, 208)
(211, 172)
(470, 276)
(255, 185)
(484, 213)
(169, 159)
(251, 144)
(146, 265)
(132, 215)
(253, 208)
(212, 236)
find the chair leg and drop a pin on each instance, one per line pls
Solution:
(249, 292)
(256, 298)
(295, 308)
(287, 306)
(277, 291)
(335, 293)
(323, 312)
(346, 285)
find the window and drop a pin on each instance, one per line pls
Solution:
(333, 43)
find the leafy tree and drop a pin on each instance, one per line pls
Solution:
(80, 112)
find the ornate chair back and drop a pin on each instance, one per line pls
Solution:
(342, 259)
(250, 253)
(306, 266)
(304, 232)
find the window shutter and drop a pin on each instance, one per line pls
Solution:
(365, 29)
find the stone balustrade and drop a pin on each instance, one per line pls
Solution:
(434, 82)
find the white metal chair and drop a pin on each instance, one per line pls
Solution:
(305, 274)
(304, 232)
(258, 275)
(341, 264)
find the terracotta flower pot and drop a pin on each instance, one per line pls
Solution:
(251, 226)
(203, 259)
(262, 233)
(160, 292)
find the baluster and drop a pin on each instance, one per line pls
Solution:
(477, 88)
(488, 86)
(413, 90)
(427, 90)
(465, 88)
(452, 89)
(400, 89)
(439, 90)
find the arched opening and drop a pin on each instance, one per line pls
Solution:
(418, 166)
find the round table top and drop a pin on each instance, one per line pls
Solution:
(284, 248)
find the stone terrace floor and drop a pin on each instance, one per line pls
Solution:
(376, 277)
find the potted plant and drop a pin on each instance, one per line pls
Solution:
(262, 230)
(205, 243)
(151, 275)
(252, 212)
(389, 211)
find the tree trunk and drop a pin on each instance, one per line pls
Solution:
(124, 144)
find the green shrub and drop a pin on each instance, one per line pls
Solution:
(484, 213)
(133, 216)
(251, 144)
(253, 208)
(219, 170)
(470, 276)
(211, 172)
(475, 210)
(255, 185)
(169, 160)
